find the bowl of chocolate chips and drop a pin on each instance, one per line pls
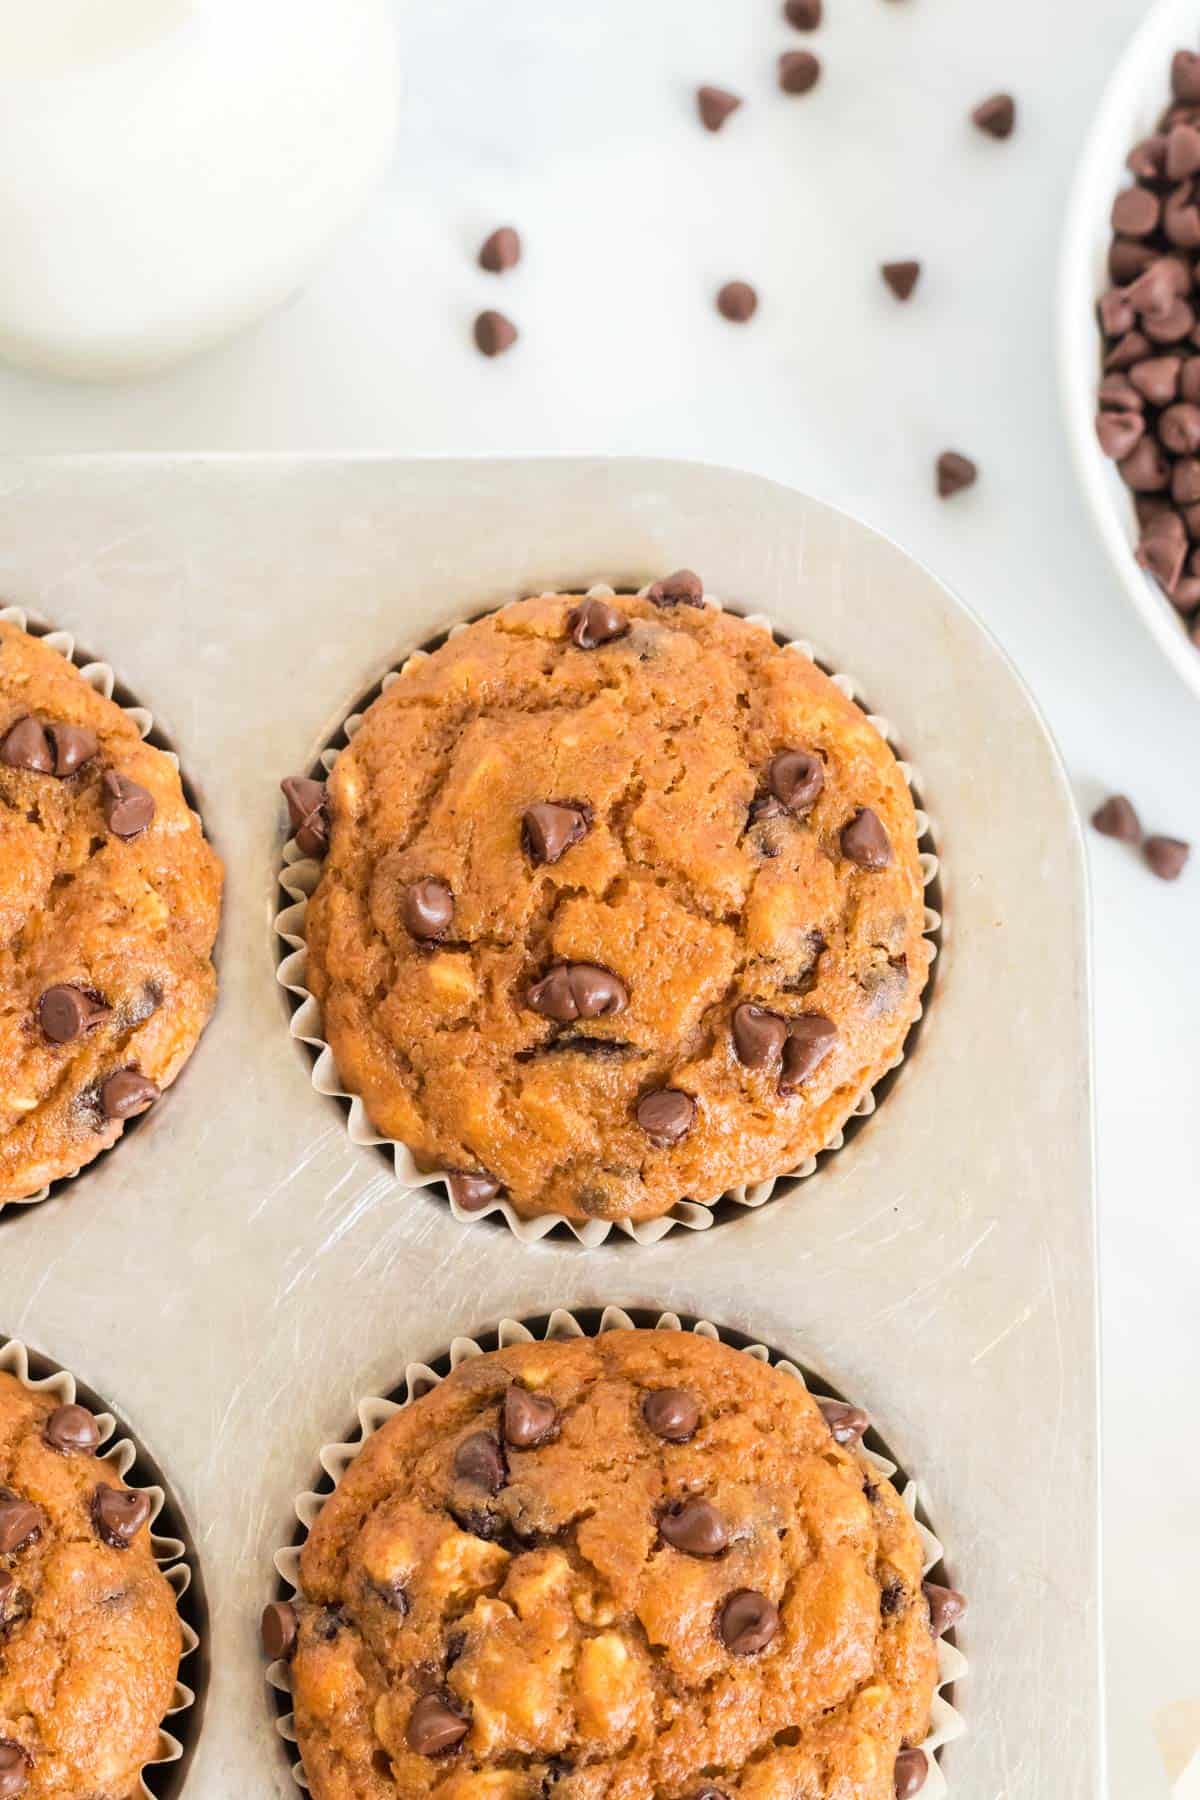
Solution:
(1131, 381)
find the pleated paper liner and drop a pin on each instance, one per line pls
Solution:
(374, 1411)
(299, 877)
(174, 1552)
(101, 677)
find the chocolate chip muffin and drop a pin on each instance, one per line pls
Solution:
(621, 903)
(109, 900)
(642, 1564)
(89, 1635)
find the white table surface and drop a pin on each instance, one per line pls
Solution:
(576, 123)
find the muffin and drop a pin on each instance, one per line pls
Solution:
(89, 1636)
(109, 901)
(621, 904)
(641, 1564)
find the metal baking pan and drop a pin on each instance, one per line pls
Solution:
(237, 1273)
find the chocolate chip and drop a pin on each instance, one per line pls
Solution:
(594, 622)
(865, 842)
(1127, 258)
(74, 745)
(551, 827)
(1135, 212)
(308, 811)
(427, 908)
(695, 1527)
(747, 1622)
(901, 277)
(1147, 159)
(996, 115)
(1162, 548)
(811, 1037)
(494, 334)
(119, 1514)
(954, 473)
(500, 251)
(846, 1423)
(434, 1726)
(1181, 153)
(577, 991)
(799, 71)
(946, 1606)
(1185, 481)
(529, 1419)
(796, 778)
(737, 302)
(472, 1189)
(1185, 76)
(126, 1093)
(27, 746)
(1118, 433)
(1115, 312)
(683, 588)
(758, 1035)
(65, 1012)
(1116, 818)
(1166, 857)
(1156, 378)
(72, 1428)
(1130, 349)
(1118, 394)
(912, 1770)
(479, 1459)
(21, 1523)
(279, 1628)
(1145, 470)
(714, 105)
(14, 1770)
(1179, 428)
(672, 1413)
(1156, 289)
(128, 806)
(805, 15)
(666, 1115)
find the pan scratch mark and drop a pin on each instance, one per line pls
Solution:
(942, 1275)
(1026, 1313)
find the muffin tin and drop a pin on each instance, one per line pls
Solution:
(239, 1273)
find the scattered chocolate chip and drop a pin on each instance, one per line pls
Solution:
(805, 15)
(1135, 212)
(799, 71)
(551, 827)
(996, 115)
(1185, 76)
(1166, 857)
(912, 1770)
(737, 302)
(671, 1413)
(494, 334)
(846, 1423)
(74, 745)
(1116, 818)
(811, 1037)
(72, 1428)
(901, 277)
(683, 588)
(594, 622)
(434, 1726)
(65, 1012)
(126, 1093)
(758, 1035)
(695, 1527)
(795, 778)
(747, 1622)
(472, 1189)
(278, 1629)
(27, 746)
(1118, 433)
(119, 1514)
(954, 473)
(14, 1770)
(500, 251)
(946, 1606)
(865, 842)
(128, 806)
(479, 1459)
(308, 813)
(427, 908)
(577, 991)
(666, 1115)
(714, 105)
(21, 1522)
(529, 1419)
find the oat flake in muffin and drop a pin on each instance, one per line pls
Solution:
(109, 901)
(641, 1565)
(622, 904)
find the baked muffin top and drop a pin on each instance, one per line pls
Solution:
(638, 1565)
(109, 902)
(89, 1634)
(622, 904)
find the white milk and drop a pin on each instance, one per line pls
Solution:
(169, 169)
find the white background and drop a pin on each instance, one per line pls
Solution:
(574, 121)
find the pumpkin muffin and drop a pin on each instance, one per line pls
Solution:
(621, 903)
(89, 1636)
(109, 902)
(641, 1565)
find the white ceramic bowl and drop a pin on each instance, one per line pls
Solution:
(1135, 96)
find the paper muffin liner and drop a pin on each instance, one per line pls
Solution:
(102, 678)
(170, 1553)
(945, 1722)
(299, 876)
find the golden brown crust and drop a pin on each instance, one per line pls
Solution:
(89, 1635)
(582, 1650)
(665, 735)
(132, 920)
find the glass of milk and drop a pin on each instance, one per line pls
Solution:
(170, 169)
